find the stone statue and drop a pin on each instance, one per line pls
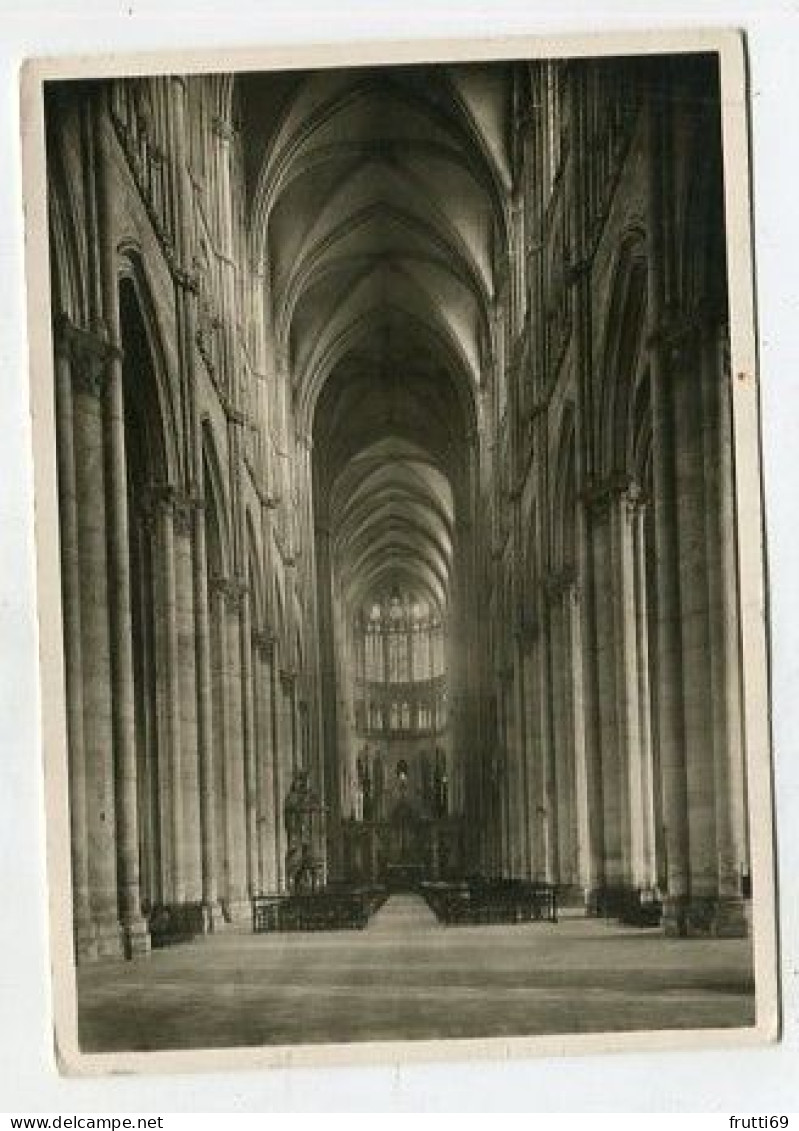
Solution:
(299, 810)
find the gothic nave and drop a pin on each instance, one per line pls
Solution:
(397, 506)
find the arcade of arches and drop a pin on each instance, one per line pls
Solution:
(395, 476)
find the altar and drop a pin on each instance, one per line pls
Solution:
(400, 853)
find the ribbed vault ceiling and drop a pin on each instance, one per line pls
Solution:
(391, 519)
(377, 198)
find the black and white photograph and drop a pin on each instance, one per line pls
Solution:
(405, 641)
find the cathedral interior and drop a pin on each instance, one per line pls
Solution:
(397, 499)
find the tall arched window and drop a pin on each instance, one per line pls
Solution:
(374, 646)
(437, 648)
(420, 657)
(397, 627)
(401, 638)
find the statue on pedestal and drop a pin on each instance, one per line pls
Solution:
(302, 816)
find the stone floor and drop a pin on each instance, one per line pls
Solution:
(407, 977)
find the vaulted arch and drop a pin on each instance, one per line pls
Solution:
(67, 256)
(149, 393)
(217, 508)
(622, 358)
(402, 500)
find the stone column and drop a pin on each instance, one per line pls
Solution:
(248, 735)
(535, 768)
(729, 774)
(279, 782)
(330, 753)
(257, 867)
(526, 867)
(733, 847)
(515, 768)
(504, 776)
(585, 700)
(183, 525)
(205, 722)
(267, 811)
(294, 725)
(135, 935)
(549, 808)
(286, 755)
(671, 730)
(84, 940)
(301, 733)
(563, 740)
(585, 816)
(625, 506)
(313, 719)
(670, 718)
(236, 780)
(174, 885)
(145, 676)
(697, 653)
(134, 929)
(648, 830)
(223, 818)
(604, 538)
(90, 371)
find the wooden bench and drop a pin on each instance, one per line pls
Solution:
(635, 907)
(175, 923)
(499, 901)
(329, 910)
(266, 913)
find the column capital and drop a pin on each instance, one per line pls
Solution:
(186, 278)
(539, 409)
(636, 504)
(182, 504)
(232, 589)
(677, 329)
(144, 516)
(288, 678)
(598, 493)
(217, 584)
(223, 129)
(577, 269)
(281, 359)
(237, 594)
(527, 626)
(90, 352)
(183, 509)
(63, 332)
(264, 640)
(233, 414)
(560, 583)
